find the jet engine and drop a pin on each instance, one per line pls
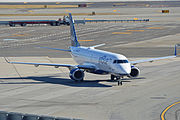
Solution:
(134, 72)
(76, 74)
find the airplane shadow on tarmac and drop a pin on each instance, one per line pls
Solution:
(55, 80)
(62, 81)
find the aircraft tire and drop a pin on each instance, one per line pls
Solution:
(58, 24)
(119, 82)
(23, 24)
(12, 25)
(112, 77)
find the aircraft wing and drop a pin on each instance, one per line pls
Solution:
(43, 64)
(150, 60)
(90, 67)
(159, 58)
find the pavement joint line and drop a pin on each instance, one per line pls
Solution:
(16, 70)
(85, 40)
(163, 113)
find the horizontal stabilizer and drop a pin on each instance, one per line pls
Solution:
(97, 45)
(57, 49)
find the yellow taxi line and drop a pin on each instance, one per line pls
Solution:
(19, 35)
(121, 32)
(88, 19)
(68, 11)
(89, 3)
(166, 109)
(155, 28)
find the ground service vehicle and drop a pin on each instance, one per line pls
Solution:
(64, 21)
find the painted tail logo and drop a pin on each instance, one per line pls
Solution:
(74, 41)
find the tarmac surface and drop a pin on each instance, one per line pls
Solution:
(104, 4)
(49, 91)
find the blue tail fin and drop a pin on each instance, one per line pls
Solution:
(74, 41)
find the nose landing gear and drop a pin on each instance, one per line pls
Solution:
(119, 82)
(117, 78)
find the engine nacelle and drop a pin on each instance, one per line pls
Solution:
(134, 72)
(76, 74)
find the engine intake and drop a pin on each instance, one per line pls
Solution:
(134, 72)
(76, 74)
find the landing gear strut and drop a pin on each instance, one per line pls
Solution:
(117, 78)
(119, 82)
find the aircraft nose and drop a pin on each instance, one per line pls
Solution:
(126, 68)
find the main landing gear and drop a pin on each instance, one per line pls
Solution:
(117, 78)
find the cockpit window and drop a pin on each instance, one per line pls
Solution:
(120, 61)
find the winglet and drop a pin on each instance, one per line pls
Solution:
(175, 49)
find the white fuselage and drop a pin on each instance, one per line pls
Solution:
(106, 61)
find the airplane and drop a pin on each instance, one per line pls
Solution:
(96, 61)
